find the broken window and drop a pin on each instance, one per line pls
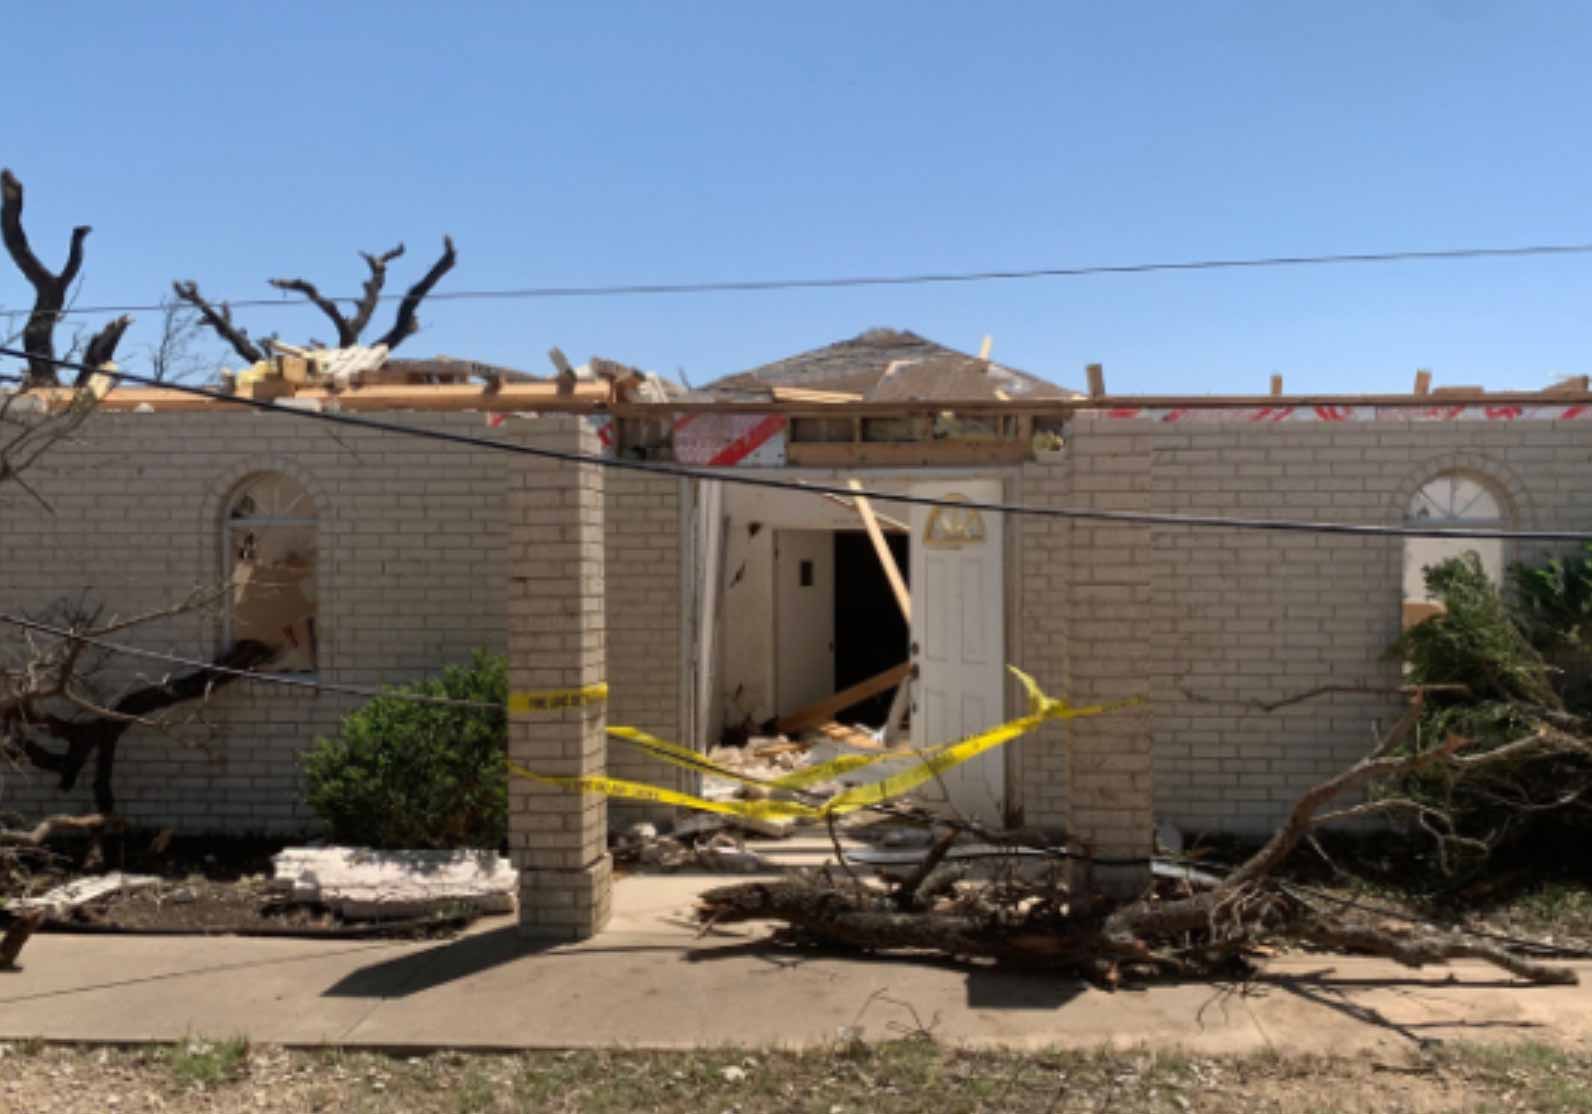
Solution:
(1451, 501)
(270, 558)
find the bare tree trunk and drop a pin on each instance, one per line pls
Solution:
(49, 289)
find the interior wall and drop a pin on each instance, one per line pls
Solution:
(744, 681)
(746, 631)
(804, 617)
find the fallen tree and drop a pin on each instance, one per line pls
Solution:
(1173, 927)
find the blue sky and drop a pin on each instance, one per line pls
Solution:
(649, 142)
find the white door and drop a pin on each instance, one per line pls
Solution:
(958, 639)
(804, 618)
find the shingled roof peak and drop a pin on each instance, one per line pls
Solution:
(858, 364)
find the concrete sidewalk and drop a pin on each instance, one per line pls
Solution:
(649, 981)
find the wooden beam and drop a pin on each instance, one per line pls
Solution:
(898, 709)
(1423, 382)
(901, 454)
(802, 394)
(886, 558)
(843, 733)
(831, 706)
(893, 524)
(510, 397)
(1276, 386)
(1066, 407)
(1097, 380)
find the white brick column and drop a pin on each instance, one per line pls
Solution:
(1108, 617)
(556, 639)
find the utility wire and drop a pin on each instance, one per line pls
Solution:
(734, 476)
(703, 765)
(285, 680)
(921, 279)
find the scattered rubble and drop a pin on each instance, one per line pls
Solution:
(700, 842)
(360, 884)
(1035, 903)
(62, 901)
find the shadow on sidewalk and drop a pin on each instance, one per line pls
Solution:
(460, 958)
(1326, 989)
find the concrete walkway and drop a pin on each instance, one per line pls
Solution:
(651, 982)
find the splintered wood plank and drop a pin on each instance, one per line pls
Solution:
(831, 706)
(892, 571)
(851, 736)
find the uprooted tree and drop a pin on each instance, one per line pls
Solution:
(1191, 924)
(349, 327)
(1495, 741)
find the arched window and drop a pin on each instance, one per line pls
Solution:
(269, 549)
(1451, 501)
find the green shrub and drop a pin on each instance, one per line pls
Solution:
(402, 774)
(1516, 655)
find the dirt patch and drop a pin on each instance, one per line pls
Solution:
(207, 886)
(899, 1077)
(198, 905)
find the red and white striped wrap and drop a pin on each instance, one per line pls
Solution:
(1464, 412)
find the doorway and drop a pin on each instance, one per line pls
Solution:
(871, 634)
(836, 619)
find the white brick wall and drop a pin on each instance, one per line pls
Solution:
(412, 576)
(1239, 617)
(642, 533)
(415, 559)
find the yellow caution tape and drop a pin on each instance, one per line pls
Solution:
(678, 755)
(638, 791)
(553, 699)
(930, 763)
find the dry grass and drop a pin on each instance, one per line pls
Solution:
(896, 1078)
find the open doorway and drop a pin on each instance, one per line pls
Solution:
(871, 634)
(837, 622)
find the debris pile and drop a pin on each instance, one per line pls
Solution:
(1016, 899)
(697, 843)
(360, 884)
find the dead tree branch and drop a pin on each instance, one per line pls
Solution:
(49, 289)
(350, 327)
(346, 336)
(373, 287)
(35, 836)
(407, 324)
(1170, 928)
(220, 320)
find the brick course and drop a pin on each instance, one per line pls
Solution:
(414, 559)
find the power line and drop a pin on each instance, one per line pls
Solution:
(733, 476)
(703, 765)
(927, 278)
(282, 679)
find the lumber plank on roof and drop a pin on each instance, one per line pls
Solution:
(827, 708)
(803, 394)
(892, 571)
(1097, 380)
(465, 396)
(837, 454)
